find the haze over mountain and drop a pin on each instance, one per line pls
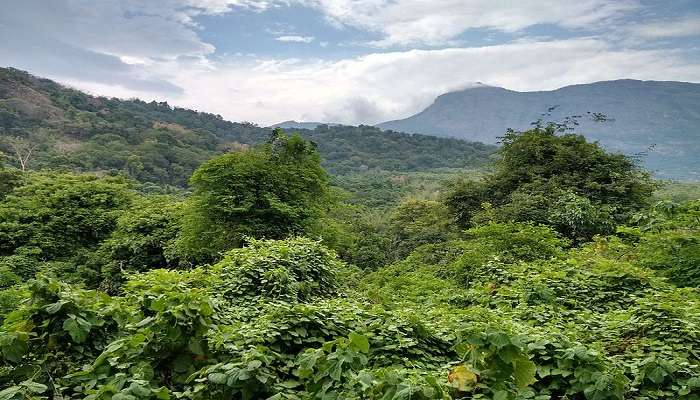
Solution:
(664, 115)
(301, 125)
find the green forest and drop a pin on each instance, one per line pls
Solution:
(62, 128)
(152, 252)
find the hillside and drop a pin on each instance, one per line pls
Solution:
(155, 142)
(665, 115)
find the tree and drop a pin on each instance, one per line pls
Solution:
(141, 241)
(544, 177)
(417, 222)
(270, 191)
(9, 179)
(56, 216)
(22, 150)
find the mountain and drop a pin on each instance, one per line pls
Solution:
(641, 114)
(63, 128)
(300, 125)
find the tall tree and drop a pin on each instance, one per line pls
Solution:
(269, 191)
(557, 179)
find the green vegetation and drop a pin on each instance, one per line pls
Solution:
(385, 189)
(678, 191)
(46, 126)
(558, 180)
(271, 191)
(557, 276)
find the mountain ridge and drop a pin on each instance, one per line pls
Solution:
(663, 115)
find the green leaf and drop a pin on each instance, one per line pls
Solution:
(139, 390)
(196, 347)
(499, 339)
(500, 395)
(524, 373)
(55, 307)
(657, 375)
(10, 393)
(336, 369)
(360, 342)
(35, 387)
(77, 328)
(14, 350)
(510, 354)
(161, 393)
(218, 378)
(123, 396)
(144, 322)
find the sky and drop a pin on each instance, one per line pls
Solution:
(343, 61)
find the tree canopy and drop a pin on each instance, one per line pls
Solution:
(268, 191)
(556, 179)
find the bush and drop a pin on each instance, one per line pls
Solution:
(60, 213)
(296, 269)
(517, 241)
(669, 240)
(417, 222)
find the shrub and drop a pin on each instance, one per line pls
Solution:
(516, 241)
(296, 269)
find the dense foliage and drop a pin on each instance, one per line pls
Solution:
(559, 180)
(55, 220)
(555, 277)
(270, 191)
(57, 127)
(668, 239)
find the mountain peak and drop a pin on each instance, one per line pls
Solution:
(642, 114)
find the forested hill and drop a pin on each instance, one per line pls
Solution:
(641, 114)
(155, 142)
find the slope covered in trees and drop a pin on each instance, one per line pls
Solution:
(45, 125)
(294, 293)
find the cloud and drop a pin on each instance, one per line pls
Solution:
(218, 6)
(687, 26)
(107, 42)
(153, 50)
(406, 22)
(376, 87)
(62, 61)
(295, 38)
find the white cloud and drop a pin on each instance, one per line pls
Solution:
(153, 50)
(107, 41)
(129, 28)
(405, 22)
(221, 6)
(688, 26)
(295, 38)
(382, 86)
